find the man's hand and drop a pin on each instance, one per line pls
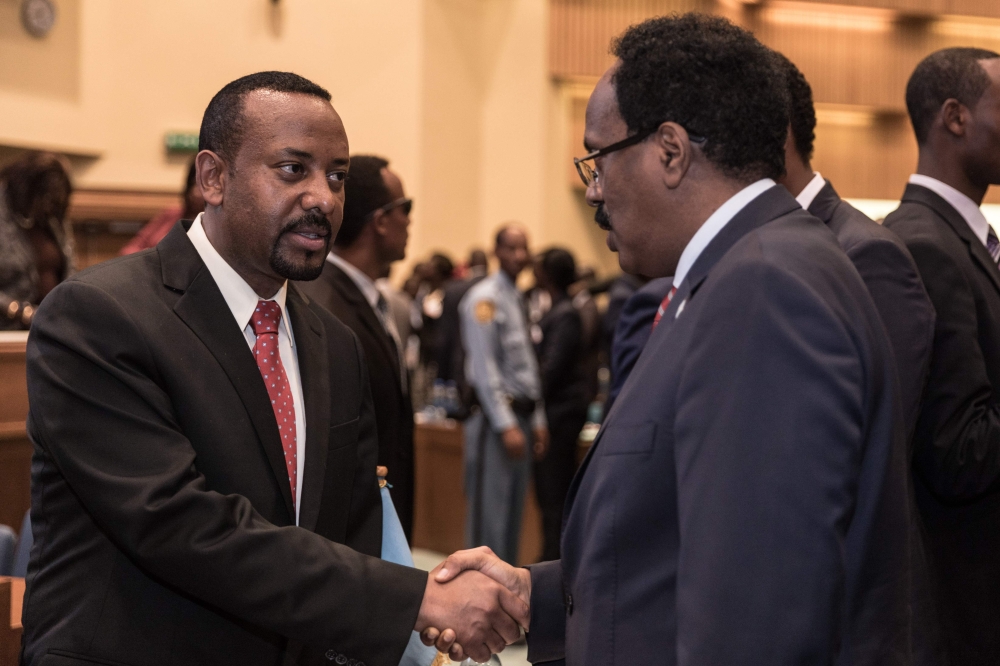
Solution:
(541, 442)
(480, 614)
(514, 441)
(482, 560)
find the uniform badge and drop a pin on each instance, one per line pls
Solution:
(485, 311)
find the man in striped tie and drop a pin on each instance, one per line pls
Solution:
(953, 98)
(745, 500)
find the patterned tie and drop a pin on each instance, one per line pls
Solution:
(663, 307)
(265, 322)
(993, 245)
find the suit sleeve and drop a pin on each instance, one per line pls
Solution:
(100, 411)
(958, 441)
(483, 372)
(768, 432)
(547, 630)
(895, 286)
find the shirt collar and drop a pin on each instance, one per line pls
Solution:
(363, 282)
(809, 192)
(965, 206)
(240, 296)
(715, 223)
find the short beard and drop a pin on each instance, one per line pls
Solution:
(305, 272)
(602, 218)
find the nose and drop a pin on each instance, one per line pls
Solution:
(318, 195)
(594, 195)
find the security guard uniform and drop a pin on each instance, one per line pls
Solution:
(500, 365)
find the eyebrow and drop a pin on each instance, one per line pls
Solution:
(295, 152)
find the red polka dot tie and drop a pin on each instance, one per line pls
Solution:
(265, 322)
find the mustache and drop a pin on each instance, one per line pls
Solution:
(311, 221)
(602, 218)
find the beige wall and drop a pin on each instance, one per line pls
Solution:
(455, 93)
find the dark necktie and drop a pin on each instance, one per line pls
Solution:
(664, 304)
(265, 321)
(389, 324)
(993, 245)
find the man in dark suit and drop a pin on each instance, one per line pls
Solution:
(880, 256)
(892, 279)
(953, 98)
(559, 347)
(745, 501)
(372, 237)
(203, 479)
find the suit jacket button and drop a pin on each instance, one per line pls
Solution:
(568, 601)
(331, 655)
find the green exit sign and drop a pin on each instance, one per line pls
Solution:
(181, 142)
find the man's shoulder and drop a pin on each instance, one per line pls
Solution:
(485, 289)
(131, 278)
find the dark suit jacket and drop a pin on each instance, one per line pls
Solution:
(632, 330)
(957, 439)
(745, 500)
(336, 291)
(894, 283)
(161, 509)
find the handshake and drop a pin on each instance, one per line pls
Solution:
(474, 605)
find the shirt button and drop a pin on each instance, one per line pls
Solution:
(568, 601)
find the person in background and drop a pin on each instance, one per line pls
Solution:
(451, 353)
(632, 330)
(501, 367)
(158, 227)
(590, 317)
(372, 237)
(36, 245)
(559, 348)
(953, 98)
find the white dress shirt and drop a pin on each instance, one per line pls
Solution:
(809, 192)
(242, 301)
(965, 206)
(716, 223)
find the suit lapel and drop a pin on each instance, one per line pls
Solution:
(770, 205)
(922, 195)
(203, 308)
(350, 292)
(314, 370)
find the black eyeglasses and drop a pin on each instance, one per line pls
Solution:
(589, 174)
(405, 203)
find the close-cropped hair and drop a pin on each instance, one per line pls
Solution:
(223, 126)
(715, 80)
(365, 191)
(954, 73)
(801, 111)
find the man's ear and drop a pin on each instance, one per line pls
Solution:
(954, 117)
(213, 172)
(380, 224)
(674, 152)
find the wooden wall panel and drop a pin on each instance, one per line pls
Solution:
(857, 59)
(15, 449)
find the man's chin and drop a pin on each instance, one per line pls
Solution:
(611, 242)
(298, 268)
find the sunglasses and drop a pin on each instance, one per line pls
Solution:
(406, 204)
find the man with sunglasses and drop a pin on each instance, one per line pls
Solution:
(745, 501)
(372, 237)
